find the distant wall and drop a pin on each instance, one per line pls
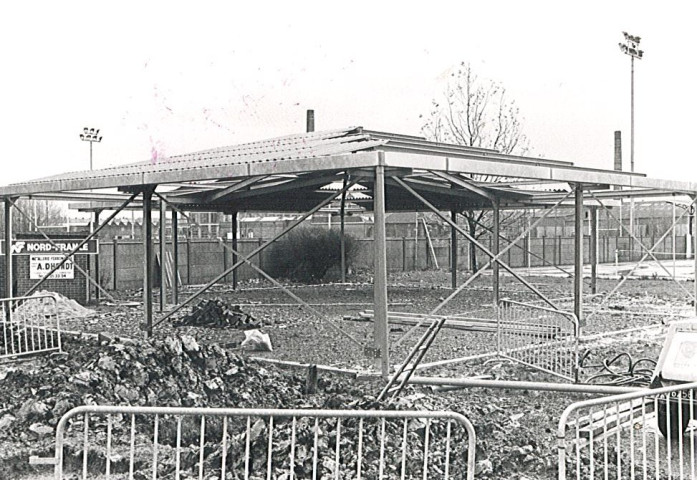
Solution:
(201, 260)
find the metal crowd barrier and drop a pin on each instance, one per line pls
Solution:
(110, 442)
(30, 325)
(540, 337)
(648, 434)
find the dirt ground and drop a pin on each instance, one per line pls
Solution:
(507, 422)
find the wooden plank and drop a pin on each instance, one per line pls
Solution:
(595, 425)
(471, 324)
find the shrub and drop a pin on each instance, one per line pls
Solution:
(307, 254)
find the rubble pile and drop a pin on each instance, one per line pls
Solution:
(217, 313)
(64, 307)
(175, 371)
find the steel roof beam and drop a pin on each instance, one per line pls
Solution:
(516, 169)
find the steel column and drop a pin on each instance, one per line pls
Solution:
(453, 251)
(8, 251)
(694, 249)
(233, 227)
(495, 250)
(96, 261)
(163, 254)
(594, 249)
(380, 266)
(578, 254)
(343, 232)
(147, 261)
(175, 257)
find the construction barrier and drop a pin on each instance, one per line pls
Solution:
(542, 338)
(167, 442)
(30, 325)
(645, 434)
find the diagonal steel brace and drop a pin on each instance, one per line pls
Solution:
(493, 258)
(83, 242)
(254, 252)
(649, 251)
(78, 267)
(316, 312)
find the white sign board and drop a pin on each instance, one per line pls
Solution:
(40, 265)
(681, 360)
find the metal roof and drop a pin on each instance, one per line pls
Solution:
(295, 172)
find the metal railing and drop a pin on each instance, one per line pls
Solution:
(175, 443)
(30, 325)
(540, 337)
(647, 434)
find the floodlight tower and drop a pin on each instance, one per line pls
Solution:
(90, 135)
(631, 48)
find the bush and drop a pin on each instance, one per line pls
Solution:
(307, 254)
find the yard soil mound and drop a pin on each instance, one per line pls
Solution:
(174, 371)
(179, 371)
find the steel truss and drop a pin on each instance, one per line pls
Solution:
(247, 258)
(649, 253)
(404, 372)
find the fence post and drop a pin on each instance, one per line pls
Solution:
(544, 251)
(113, 261)
(404, 254)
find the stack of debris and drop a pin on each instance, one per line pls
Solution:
(60, 305)
(217, 313)
(176, 371)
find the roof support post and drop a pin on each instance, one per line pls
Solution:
(163, 255)
(175, 257)
(693, 220)
(343, 231)
(380, 273)
(578, 254)
(147, 261)
(453, 251)
(96, 260)
(594, 249)
(233, 227)
(495, 250)
(8, 254)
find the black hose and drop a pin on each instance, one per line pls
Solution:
(610, 374)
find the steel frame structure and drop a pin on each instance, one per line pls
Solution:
(398, 173)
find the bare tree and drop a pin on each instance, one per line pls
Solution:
(46, 213)
(476, 113)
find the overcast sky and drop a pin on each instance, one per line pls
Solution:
(160, 78)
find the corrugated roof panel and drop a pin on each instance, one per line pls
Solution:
(289, 148)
